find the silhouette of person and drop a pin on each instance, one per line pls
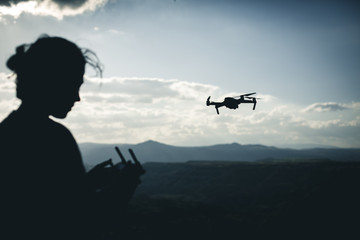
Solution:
(45, 193)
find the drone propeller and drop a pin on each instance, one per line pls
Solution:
(252, 97)
(247, 94)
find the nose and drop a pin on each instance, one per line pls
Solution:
(77, 97)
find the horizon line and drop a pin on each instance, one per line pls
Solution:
(299, 146)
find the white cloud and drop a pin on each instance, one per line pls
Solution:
(132, 110)
(7, 93)
(57, 9)
(116, 32)
(266, 98)
(321, 124)
(174, 111)
(325, 107)
(353, 105)
(146, 107)
(135, 89)
(351, 123)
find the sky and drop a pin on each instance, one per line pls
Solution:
(163, 58)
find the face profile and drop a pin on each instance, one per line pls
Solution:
(63, 97)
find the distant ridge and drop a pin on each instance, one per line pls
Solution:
(305, 146)
(152, 151)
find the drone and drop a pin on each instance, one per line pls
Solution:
(233, 102)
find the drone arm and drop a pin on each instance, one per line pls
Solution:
(208, 101)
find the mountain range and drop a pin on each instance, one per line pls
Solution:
(152, 151)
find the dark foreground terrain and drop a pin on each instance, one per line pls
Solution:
(241, 200)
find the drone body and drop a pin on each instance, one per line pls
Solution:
(233, 103)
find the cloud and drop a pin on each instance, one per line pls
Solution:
(325, 107)
(168, 110)
(135, 109)
(352, 123)
(72, 3)
(321, 124)
(8, 102)
(174, 111)
(116, 32)
(8, 3)
(155, 89)
(55, 8)
(62, 3)
(353, 105)
(266, 98)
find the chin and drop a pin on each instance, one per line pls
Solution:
(60, 115)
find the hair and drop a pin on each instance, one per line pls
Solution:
(38, 65)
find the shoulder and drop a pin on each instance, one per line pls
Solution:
(17, 124)
(67, 148)
(61, 135)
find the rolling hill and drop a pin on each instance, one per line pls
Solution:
(151, 151)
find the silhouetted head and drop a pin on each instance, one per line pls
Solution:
(49, 73)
